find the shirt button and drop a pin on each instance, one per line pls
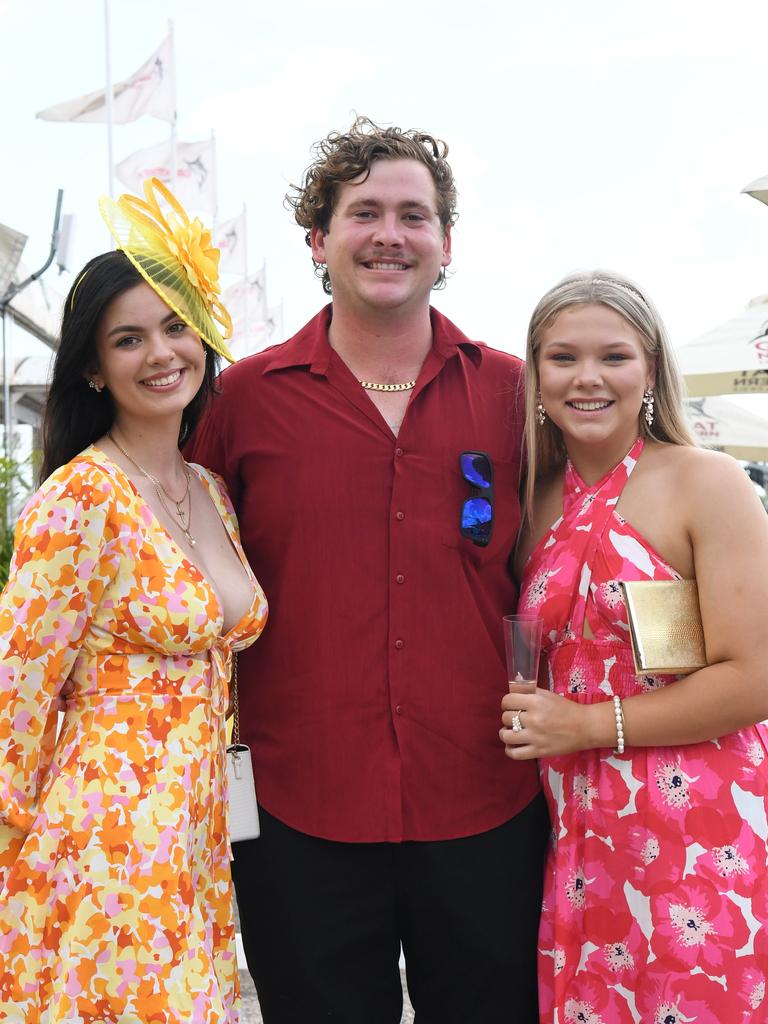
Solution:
(399, 644)
(399, 452)
(399, 578)
(398, 709)
(399, 515)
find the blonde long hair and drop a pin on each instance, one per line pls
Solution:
(544, 444)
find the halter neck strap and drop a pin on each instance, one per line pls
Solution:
(588, 510)
(608, 487)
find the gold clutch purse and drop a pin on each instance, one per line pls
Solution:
(665, 626)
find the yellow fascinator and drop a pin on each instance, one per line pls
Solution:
(175, 256)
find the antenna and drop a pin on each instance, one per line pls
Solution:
(14, 289)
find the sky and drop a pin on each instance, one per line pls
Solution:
(581, 135)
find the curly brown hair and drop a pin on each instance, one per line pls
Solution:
(342, 157)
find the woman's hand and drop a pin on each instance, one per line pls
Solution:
(548, 725)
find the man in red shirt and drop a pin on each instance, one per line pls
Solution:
(390, 813)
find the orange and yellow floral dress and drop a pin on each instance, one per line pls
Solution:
(115, 893)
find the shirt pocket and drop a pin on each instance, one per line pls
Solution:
(456, 490)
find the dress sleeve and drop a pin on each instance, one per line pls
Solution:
(61, 565)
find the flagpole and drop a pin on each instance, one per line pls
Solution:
(108, 97)
(245, 240)
(173, 122)
(215, 172)
(245, 277)
(174, 175)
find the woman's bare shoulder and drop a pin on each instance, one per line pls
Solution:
(700, 467)
(698, 482)
(689, 465)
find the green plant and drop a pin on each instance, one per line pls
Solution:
(13, 483)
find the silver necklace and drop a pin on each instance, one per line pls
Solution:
(183, 517)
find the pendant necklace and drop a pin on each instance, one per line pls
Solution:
(183, 517)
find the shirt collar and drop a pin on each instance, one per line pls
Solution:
(310, 348)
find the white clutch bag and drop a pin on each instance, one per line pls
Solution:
(243, 809)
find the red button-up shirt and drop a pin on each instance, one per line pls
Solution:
(372, 700)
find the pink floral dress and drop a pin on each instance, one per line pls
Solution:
(656, 892)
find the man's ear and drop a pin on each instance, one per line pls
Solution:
(317, 239)
(446, 246)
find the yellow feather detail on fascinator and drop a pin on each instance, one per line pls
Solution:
(175, 256)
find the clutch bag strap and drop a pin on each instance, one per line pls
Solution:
(235, 703)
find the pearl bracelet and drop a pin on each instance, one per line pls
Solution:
(619, 715)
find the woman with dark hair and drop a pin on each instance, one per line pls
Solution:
(75, 417)
(656, 888)
(129, 584)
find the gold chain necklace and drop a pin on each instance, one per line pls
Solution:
(370, 386)
(184, 518)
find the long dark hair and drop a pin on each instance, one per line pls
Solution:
(75, 414)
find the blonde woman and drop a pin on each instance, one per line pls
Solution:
(656, 882)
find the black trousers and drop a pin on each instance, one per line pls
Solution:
(322, 923)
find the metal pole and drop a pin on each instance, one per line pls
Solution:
(6, 399)
(245, 240)
(109, 97)
(246, 286)
(14, 289)
(215, 174)
(174, 163)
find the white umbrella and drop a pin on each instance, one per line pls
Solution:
(758, 189)
(725, 426)
(731, 359)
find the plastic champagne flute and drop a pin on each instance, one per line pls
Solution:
(522, 640)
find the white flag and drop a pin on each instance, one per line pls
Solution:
(255, 327)
(275, 324)
(246, 300)
(229, 238)
(257, 337)
(195, 179)
(265, 332)
(150, 90)
(260, 334)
